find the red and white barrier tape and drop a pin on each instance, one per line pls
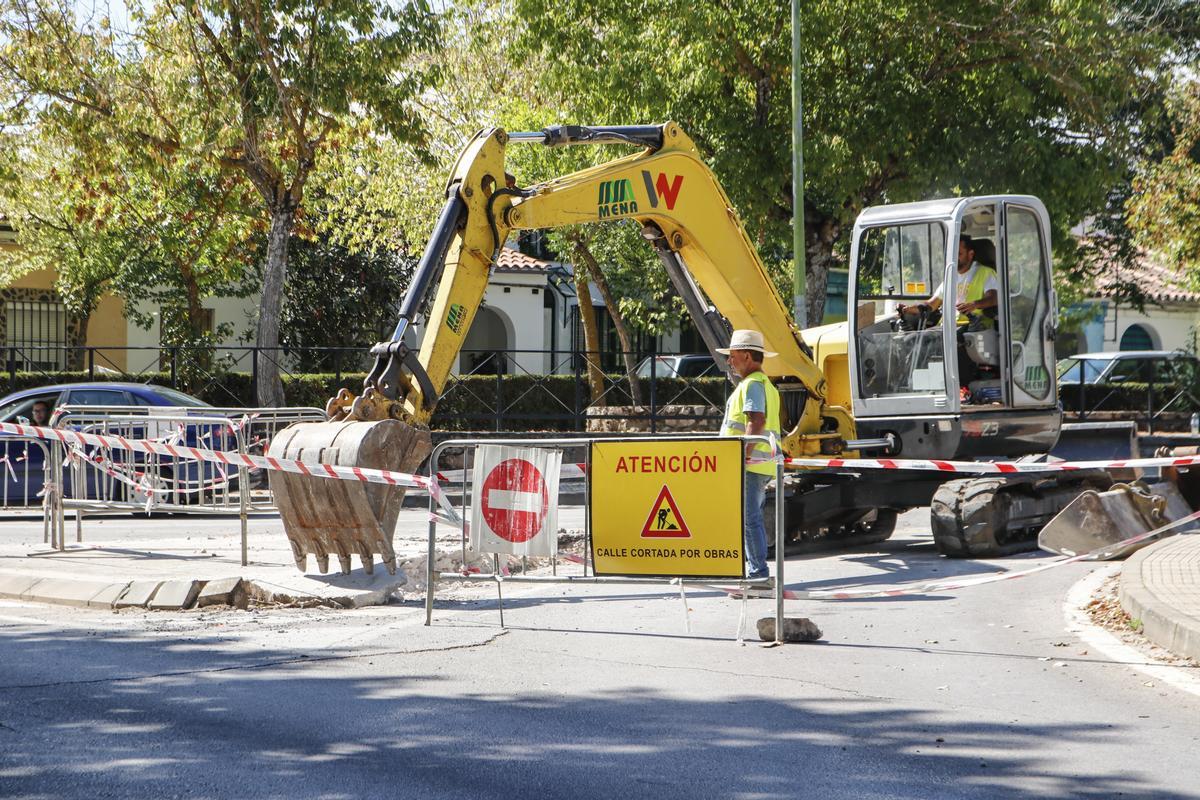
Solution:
(568, 472)
(365, 474)
(936, 587)
(579, 470)
(990, 467)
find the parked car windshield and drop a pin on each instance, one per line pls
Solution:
(686, 366)
(1180, 368)
(1080, 370)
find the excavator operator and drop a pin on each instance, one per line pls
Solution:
(977, 290)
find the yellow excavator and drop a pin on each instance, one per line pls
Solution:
(903, 395)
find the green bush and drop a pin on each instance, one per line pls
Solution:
(1130, 396)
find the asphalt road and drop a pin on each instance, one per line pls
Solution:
(601, 692)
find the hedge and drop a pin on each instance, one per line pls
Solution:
(548, 402)
(1130, 396)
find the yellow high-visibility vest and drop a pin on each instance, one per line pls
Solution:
(975, 291)
(735, 418)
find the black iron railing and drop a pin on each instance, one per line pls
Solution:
(490, 389)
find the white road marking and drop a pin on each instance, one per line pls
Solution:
(1094, 636)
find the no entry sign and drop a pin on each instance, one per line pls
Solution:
(514, 500)
(514, 505)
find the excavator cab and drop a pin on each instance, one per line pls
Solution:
(954, 385)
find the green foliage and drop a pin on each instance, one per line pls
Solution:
(1165, 206)
(338, 298)
(903, 100)
(232, 93)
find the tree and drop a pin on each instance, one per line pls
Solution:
(1165, 204)
(106, 220)
(257, 87)
(904, 100)
(586, 260)
(336, 297)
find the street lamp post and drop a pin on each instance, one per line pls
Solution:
(799, 279)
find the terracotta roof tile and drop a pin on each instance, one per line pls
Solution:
(511, 260)
(1159, 283)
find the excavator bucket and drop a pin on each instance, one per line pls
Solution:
(1094, 520)
(325, 516)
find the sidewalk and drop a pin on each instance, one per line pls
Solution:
(1160, 586)
(166, 563)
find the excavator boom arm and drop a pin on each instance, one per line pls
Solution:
(666, 188)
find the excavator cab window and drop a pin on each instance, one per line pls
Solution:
(900, 264)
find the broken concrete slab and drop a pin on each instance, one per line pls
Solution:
(108, 595)
(356, 590)
(175, 595)
(795, 629)
(223, 592)
(138, 594)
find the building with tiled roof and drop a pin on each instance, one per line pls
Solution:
(1168, 320)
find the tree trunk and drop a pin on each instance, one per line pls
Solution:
(268, 388)
(77, 330)
(820, 236)
(591, 337)
(584, 254)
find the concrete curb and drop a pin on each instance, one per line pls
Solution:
(1156, 602)
(178, 595)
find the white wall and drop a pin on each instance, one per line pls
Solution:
(1170, 327)
(240, 312)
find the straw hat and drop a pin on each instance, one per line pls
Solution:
(746, 339)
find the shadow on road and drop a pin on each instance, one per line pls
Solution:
(206, 719)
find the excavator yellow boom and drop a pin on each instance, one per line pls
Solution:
(667, 189)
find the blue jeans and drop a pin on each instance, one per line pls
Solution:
(755, 531)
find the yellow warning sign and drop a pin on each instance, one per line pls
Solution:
(665, 521)
(915, 287)
(667, 507)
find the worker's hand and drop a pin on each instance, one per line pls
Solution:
(967, 306)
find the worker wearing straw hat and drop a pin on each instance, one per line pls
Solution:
(753, 410)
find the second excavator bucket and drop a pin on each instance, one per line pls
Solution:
(1095, 520)
(326, 516)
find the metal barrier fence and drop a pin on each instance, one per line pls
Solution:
(88, 481)
(24, 466)
(575, 451)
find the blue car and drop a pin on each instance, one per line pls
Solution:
(22, 469)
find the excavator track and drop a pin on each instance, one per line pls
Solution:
(993, 517)
(856, 530)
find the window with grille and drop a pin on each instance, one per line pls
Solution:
(36, 334)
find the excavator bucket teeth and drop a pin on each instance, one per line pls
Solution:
(326, 516)
(1094, 520)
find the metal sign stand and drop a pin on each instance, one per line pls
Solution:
(432, 574)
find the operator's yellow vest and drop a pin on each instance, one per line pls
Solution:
(975, 292)
(735, 419)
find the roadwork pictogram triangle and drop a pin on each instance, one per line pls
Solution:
(665, 521)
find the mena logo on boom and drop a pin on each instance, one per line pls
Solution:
(616, 199)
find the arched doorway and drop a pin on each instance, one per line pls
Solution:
(1137, 337)
(484, 348)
